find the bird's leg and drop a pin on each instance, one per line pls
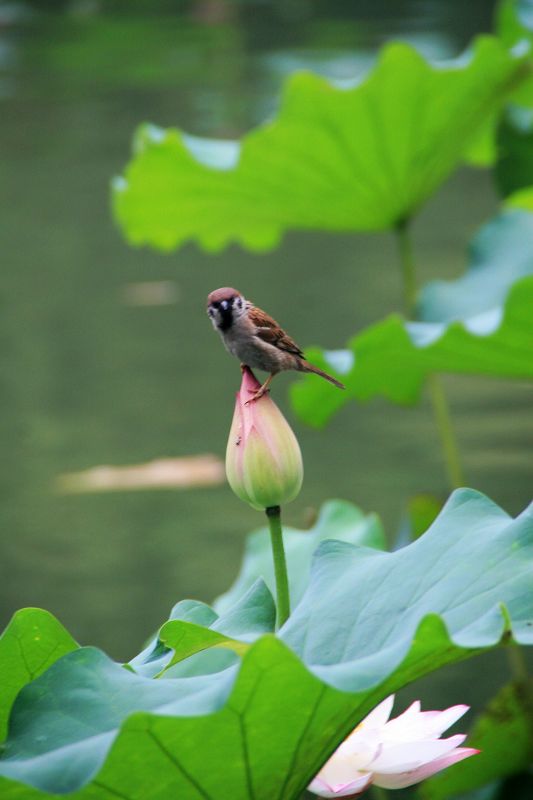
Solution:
(261, 391)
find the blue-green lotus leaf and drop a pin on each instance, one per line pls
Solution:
(352, 652)
(499, 255)
(368, 623)
(65, 722)
(337, 519)
(197, 628)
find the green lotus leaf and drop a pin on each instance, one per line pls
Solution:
(362, 157)
(514, 20)
(482, 152)
(91, 728)
(514, 25)
(31, 643)
(337, 519)
(477, 324)
(503, 734)
(393, 358)
(514, 168)
(521, 199)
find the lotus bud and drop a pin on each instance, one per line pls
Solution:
(263, 459)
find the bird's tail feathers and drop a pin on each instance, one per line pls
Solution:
(307, 367)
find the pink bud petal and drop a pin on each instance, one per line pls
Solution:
(323, 789)
(401, 780)
(379, 715)
(411, 755)
(412, 725)
(263, 459)
(445, 719)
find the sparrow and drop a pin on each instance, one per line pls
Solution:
(255, 338)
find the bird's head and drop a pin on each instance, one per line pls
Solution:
(224, 306)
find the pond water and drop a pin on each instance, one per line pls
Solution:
(93, 375)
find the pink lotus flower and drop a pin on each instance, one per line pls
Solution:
(392, 753)
(263, 459)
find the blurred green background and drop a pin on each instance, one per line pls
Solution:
(93, 372)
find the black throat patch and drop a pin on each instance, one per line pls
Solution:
(226, 318)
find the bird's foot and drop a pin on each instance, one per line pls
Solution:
(260, 392)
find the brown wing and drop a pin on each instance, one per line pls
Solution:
(269, 331)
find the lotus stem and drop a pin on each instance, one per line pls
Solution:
(280, 564)
(407, 263)
(517, 663)
(439, 401)
(443, 418)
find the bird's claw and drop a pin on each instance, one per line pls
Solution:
(257, 395)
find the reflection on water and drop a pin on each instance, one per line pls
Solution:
(107, 356)
(150, 293)
(163, 473)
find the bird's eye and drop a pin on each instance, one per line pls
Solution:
(211, 311)
(239, 303)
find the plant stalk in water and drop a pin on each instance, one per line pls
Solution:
(441, 409)
(407, 264)
(517, 664)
